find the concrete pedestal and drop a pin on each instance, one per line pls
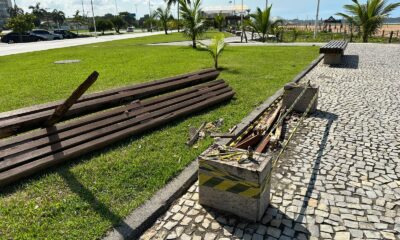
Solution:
(239, 189)
(293, 91)
(333, 59)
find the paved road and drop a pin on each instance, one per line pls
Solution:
(9, 49)
(340, 176)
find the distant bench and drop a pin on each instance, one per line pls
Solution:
(333, 51)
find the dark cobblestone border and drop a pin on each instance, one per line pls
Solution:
(144, 217)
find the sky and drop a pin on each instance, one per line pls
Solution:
(288, 9)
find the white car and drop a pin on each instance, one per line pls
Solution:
(130, 29)
(46, 35)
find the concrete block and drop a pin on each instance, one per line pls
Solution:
(293, 91)
(333, 59)
(239, 189)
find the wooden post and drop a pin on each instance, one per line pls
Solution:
(62, 109)
(391, 36)
(383, 33)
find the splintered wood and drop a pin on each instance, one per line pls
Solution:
(259, 136)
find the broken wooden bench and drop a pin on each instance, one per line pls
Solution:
(25, 119)
(334, 52)
(29, 153)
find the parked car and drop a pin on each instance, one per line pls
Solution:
(46, 34)
(130, 29)
(66, 33)
(14, 37)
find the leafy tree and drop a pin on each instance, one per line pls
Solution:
(193, 21)
(118, 23)
(104, 25)
(219, 21)
(21, 23)
(128, 18)
(58, 17)
(368, 17)
(261, 22)
(164, 15)
(216, 47)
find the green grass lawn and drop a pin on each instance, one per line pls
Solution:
(86, 197)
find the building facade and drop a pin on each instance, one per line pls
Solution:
(4, 5)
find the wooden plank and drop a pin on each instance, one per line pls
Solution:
(30, 168)
(52, 105)
(7, 143)
(23, 123)
(62, 109)
(47, 139)
(8, 163)
(263, 144)
(249, 141)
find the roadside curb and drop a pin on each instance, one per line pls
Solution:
(144, 217)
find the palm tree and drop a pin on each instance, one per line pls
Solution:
(38, 12)
(261, 22)
(58, 17)
(193, 21)
(216, 47)
(219, 20)
(368, 17)
(171, 2)
(164, 15)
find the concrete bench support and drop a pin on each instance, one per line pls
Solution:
(333, 59)
(293, 91)
(239, 189)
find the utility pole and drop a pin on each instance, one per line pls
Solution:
(266, 4)
(94, 20)
(83, 10)
(151, 20)
(316, 21)
(116, 8)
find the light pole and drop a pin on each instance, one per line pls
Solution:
(151, 20)
(83, 10)
(266, 4)
(116, 8)
(316, 21)
(94, 20)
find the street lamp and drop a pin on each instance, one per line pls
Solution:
(116, 8)
(83, 10)
(94, 20)
(151, 20)
(316, 21)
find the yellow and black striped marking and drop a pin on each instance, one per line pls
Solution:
(212, 177)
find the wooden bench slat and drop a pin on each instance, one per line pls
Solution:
(30, 168)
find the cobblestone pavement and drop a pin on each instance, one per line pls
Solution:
(340, 177)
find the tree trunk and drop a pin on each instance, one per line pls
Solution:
(166, 29)
(194, 43)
